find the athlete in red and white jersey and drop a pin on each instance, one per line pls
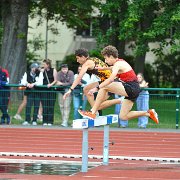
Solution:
(127, 86)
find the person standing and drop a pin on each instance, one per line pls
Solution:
(142, 101)
(17, 116)
(65, 78)
(127, 86)
(32, 79)
(4, 95)
(77, 97)
(48, 96)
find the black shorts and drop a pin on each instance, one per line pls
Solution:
(132, 89)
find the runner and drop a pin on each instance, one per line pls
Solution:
(91, 65)
(127, 86)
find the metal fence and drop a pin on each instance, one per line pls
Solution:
(166, 101)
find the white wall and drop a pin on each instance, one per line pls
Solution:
(55, 51)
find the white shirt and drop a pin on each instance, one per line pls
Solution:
(86, 78)
(94, 78)
(39, 79)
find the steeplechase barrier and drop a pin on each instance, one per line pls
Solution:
(85, 124)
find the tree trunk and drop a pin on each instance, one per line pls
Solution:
(139, 64)
(119, 44)
(14, 43)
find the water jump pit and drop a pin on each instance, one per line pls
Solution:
(42, 167)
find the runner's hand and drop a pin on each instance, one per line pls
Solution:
(100, 68)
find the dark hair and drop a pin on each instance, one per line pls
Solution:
(47, 61)
(64, 66)
(110, 51)
(82, 52)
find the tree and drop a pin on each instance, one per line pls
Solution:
(14, 42)
(107, 24)
(139, 22)
(167, 70)
(15, 26)
(150, 21)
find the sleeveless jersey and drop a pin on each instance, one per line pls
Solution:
(127, 76)
(102, 74)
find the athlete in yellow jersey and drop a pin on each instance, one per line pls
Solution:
(101, 74)
(91, 65)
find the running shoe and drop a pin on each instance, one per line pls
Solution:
(87, 114)
(153, 115)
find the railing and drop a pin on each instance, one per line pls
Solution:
(173, 93)
(166, 101)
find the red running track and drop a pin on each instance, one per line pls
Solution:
(127, 143)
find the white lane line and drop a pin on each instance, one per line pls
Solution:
(160, 159)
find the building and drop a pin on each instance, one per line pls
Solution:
(59, 45)
(67, 41)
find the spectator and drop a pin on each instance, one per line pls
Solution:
(17, 116)
(31, 79)
(122, 123)
(65, 78)
(77, 97)
(142, 101)
(48, 97)
(4, 95)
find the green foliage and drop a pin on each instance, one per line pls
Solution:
(21, 36)
(67, 11)
(141, 21)
(33, 46)
(168, 70)
(72, 63)
(96, 53)
(107, 25)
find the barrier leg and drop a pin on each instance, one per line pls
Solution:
(106, 145)
(85, 151)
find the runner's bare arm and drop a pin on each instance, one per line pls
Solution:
(87, 65)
